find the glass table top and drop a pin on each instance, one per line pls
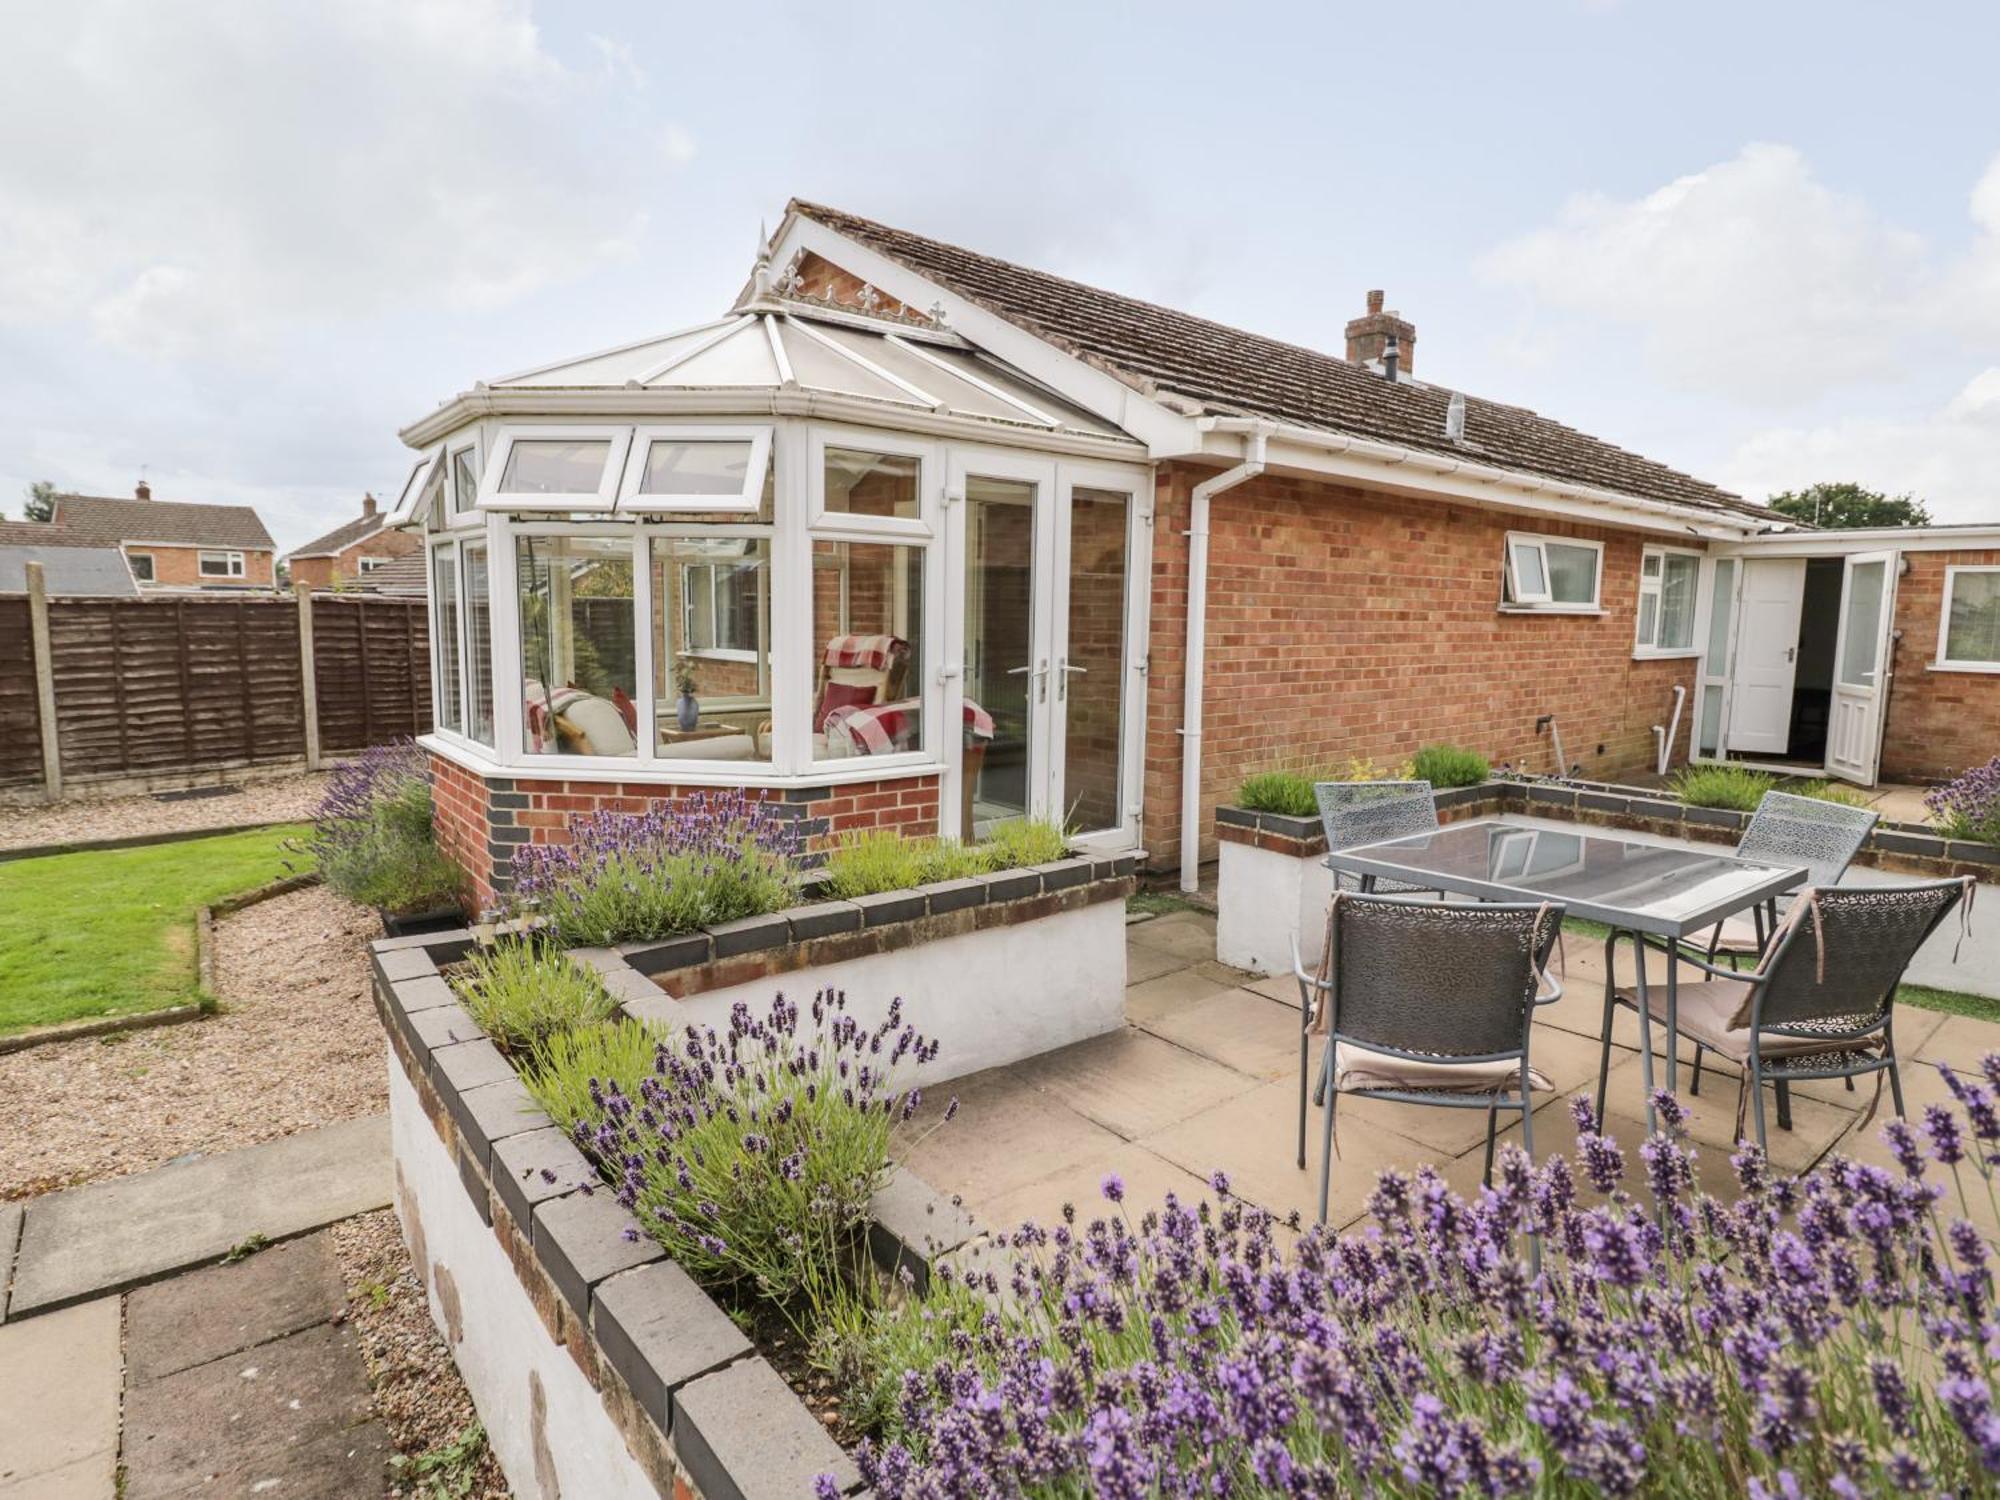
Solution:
(1621, 882)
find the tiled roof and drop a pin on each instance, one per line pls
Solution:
(340, 538)
(43, 534)
(396, 575)
(166, 521)
(1233, 373)
(68, 570)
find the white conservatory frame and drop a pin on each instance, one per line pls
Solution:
(796, 446)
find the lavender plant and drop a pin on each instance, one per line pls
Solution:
(627, 877)
(1828, 1335)
(522, 993)
(1968, 806)
(753, 1155)
(372, 838)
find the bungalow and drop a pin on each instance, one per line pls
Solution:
(72, 567)
(921, 538)
(350, 551)
(172, 545)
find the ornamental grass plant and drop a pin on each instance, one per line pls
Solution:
(523, 992)
(1737, 788)
(868, 862)
(1446, 766)
(631, 877)
(1831, 1335)
(372, 838)
(568, 1071)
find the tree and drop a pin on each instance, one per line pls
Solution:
(1849, 507)
(38, 501)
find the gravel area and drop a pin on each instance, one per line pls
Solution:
(295, 1045)
(418, 1393)
(281, 799)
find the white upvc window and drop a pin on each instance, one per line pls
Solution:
(418, 489)
(369, 564)
(1969, 622)
(461, 480)
(702, 469)
(142, 566)
(721, 605)
(1552, 574)
(869, 484)
(555, 469)
(220, 564)
(1669, 579)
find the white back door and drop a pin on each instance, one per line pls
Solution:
(1767, 649)
(1861, 666)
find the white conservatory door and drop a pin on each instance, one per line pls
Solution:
(1767, 649)
(1861, 666)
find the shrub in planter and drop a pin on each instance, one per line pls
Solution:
(1734, 787)
(568, 1071)
(524, 992)
(372, 838)
(1829, 1335)
(1968, 806)
(630, 877)
(1449, 765)
(868, 862)
(1291, 792)
(1821, 790)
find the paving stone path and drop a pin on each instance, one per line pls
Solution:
(241, 1378)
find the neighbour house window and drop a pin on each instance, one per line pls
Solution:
(221, 564)
(369, 564)
(579, 644)
(142, 565)
(450, 713)
(1551, 573)
(1667, 580)
(1969, 631)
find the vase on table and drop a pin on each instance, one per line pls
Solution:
(687, 713)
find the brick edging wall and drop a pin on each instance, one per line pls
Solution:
(1903, 848)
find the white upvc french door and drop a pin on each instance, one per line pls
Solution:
(1766, 666)
(1861, 666)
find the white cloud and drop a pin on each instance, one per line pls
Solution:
(1949, 457)
(189, 180)
(1754, 279)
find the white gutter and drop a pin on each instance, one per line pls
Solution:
(1197, 644)
(1395, 455)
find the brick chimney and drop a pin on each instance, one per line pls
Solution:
(367, 506)
(142, 490)
(1368, 337)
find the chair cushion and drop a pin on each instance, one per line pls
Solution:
(1737, 934)
(1360, 1069)
(1708, 1013)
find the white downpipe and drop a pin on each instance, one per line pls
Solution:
(1197, 645)
(1673, 729)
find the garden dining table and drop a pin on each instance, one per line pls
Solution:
(1644, 889)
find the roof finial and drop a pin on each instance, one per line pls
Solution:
(761, 277)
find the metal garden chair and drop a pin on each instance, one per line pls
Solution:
(1819, 1004)
(1366, 812)
(1822, 836)
(1425, 1003)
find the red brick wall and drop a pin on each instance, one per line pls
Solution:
(180, 567)
(481, 819)
(1939, 723)
(1344, 623)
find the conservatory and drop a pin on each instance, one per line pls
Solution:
(801, 547)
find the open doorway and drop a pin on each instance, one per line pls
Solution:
(1785, 660)
(1812, 688)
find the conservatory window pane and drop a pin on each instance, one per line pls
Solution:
(478, 644)
(869, 675)
(1572, 573)
(1974, 632)
(555, 466)
(1677, 586)
(871, 484)
(695, 468)
(579, 679)
(464, 482)
(712, 632)
(444, 637)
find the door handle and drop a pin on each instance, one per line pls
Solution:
(1062, 682)
(1791, 653)
(1040, 672)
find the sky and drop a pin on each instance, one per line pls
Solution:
(243, 242)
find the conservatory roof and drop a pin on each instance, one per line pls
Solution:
(775, 344)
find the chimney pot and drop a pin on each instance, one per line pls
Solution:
(367, 504)
(1372, 336)
(1374, 302)
(143, 490)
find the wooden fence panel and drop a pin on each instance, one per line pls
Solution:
(372, 662)
(20, 723)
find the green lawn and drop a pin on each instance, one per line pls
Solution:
(112, 932)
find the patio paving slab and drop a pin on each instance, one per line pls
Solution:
(1131, 1082)
(1188, 936)
(10, 1237)
(1959, 1040)
(189, 1320)
(1008, 1133)
(111, 1235)
(1150, 999)
(1244, 1031)
(1143, 963)
(59, 1378)
(1816, 1123)
(1148, 1178)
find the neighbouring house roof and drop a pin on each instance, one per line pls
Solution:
(163, 523)
(68, 568)
(1229, 372)
(43, 534)
(396, 575)
(338, 540)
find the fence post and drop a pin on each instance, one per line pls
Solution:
(308, 681)
(45, 680)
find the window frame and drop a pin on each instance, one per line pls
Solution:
(367, 563)
(234, 564)
(132, 562)
(455, 734)
(518, 755)
(1646, 650)
(845, 525)
(411, 496)
(602, 499)
(1543, 601)
(708, 653)
(745, 502)
(461, 511)
(1944, 662)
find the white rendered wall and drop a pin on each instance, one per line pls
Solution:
(988, 997)
(1261, 900)
(501, 1339)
